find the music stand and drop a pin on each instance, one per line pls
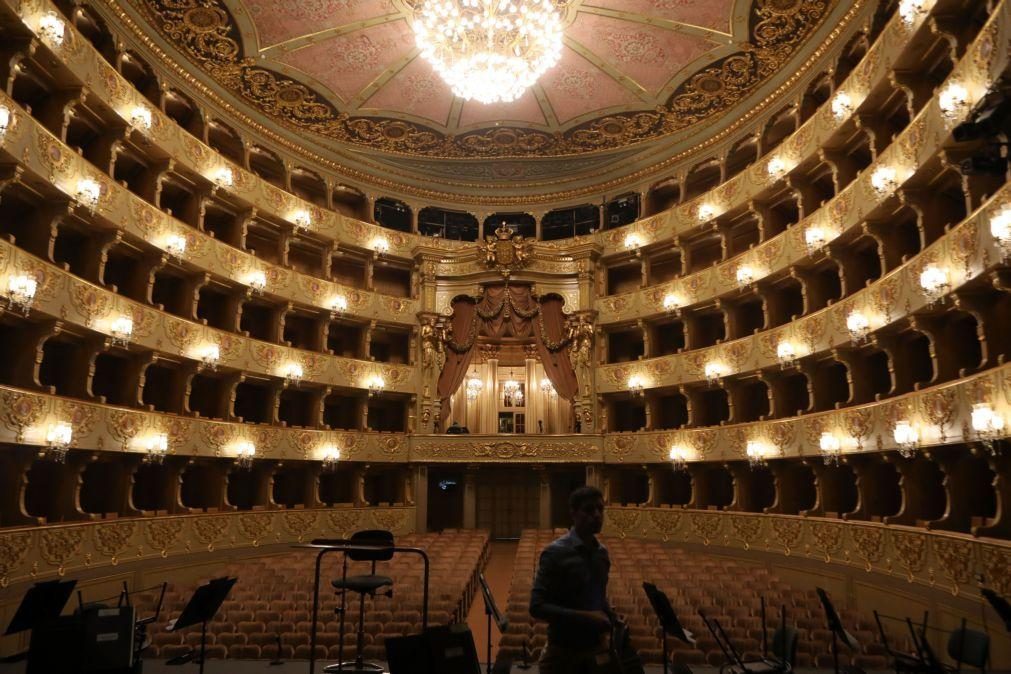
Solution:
(669, 623)
(835, 626)
(1000, 605)
(43, 603)
(491, 612)
(201, 609)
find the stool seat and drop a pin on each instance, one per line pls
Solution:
(367, 584)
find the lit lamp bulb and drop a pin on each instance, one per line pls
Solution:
(884, 180)
(52, 29)
(257, 280)
(375, 384)
(331, 457)
(934, 282)
(223, 177)
(380, 246)
(548, 389)
(858, 325)
(953, 101)
(210, 354)
(633, 241)
(21, 291)
(776, 168)
(157, 448)
(1000, 229)
(338, 305)
(121, 330)
(746, 274)
(815, 237)
(757, 453)
(175, 245)
(293, 373)
(706, 212)
(987, 424)
(786, 352)
(842, 105)
(58, 439)
(140, 118)
(714, 372)
(636, 385)
(679, 457)
(301, 219)
(245, 452)
(831, 448)
(474, 387)
(88, 194)
(5, 120)
(907, 438)
(912, 10)
(672, 303)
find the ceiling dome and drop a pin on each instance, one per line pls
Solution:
(347, 76)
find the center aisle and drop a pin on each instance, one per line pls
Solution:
(498, 573)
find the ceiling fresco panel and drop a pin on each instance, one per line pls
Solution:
(416, 90)
(575, 87)
(281, 20)
(711, 14)
(525, 109)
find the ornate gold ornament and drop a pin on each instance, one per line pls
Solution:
(506, 250)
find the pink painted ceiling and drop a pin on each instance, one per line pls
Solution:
(620, 55)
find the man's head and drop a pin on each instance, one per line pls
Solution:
(586, 505)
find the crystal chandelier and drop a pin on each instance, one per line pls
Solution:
(489, 50)
(474, 387)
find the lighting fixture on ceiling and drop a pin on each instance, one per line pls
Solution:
(489, 50)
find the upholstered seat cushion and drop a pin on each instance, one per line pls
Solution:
(364, 584)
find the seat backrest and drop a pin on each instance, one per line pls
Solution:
(784, 644)
(383, 540)
(969, 646)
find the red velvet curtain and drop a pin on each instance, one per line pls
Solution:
(556, 364)
(455, 370)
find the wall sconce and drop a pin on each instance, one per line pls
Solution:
(758, 453)
(474, 387)
(380, 246)
(5, 120)
(375, 384)
(633, 242)
(714, 371)
(907, 438)
(935, 282)
(548, 389)
(831, 448)
(157, 448)
(209, 355)
(121, 329)
(953, 101)
(637, 386)
(140, 117)
(88, 193)
(842, 105)
(52, 29)
(257, 281)
(987, 424)
(301, 219)
(912, 10)
(786, 352)
(706, 212)
(858, 325)
(679, 455)
(21, 291)
(776, 168)
(245, 452)
(746, 275)
(58, 439)
(884, 180)
(331, 457)
(1000, 229)
(816, 236)
(293, 373)
(223, 177)
(672, 303)
(338, 305)
(175, 245)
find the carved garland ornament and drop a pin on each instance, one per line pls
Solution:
(205, 31)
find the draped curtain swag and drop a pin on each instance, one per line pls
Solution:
(507, 311)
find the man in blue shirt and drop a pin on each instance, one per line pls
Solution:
(570, 592)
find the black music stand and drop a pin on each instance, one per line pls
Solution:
(201, 609)
(41, 605)
(1000, 605)
(326, 546)
(835, 626)
(491, 612)
(669, 623)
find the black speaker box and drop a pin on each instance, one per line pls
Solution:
(447, 649)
